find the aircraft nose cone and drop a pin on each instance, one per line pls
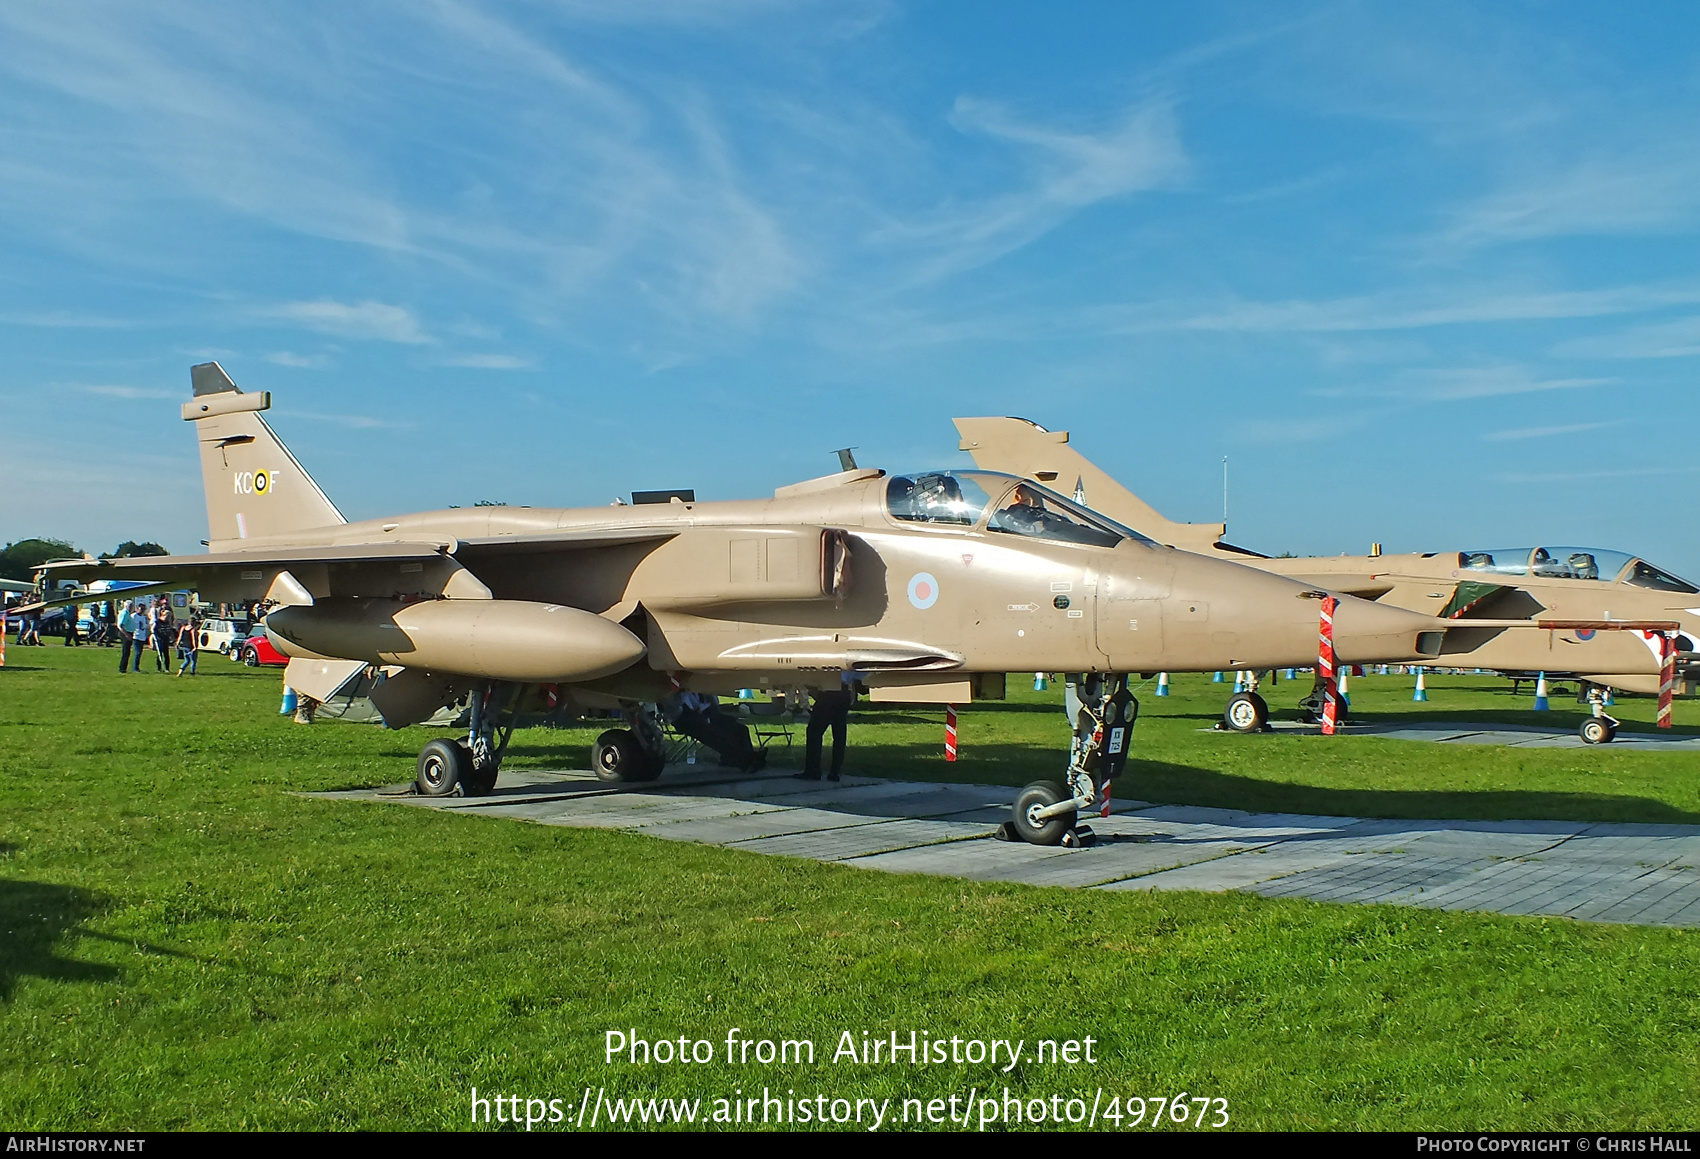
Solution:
(1364, 631)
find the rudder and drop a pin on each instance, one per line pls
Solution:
(255, 488)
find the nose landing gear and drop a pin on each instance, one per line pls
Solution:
(1599, 728)
(1103, 713)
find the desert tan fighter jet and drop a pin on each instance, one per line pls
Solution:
(1578, 585)
(928, 586)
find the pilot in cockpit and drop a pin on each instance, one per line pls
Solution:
(1026, 513)
(1582, 566)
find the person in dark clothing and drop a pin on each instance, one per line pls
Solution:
(127, 625)
(698, 716)
(831, 709)
(164, 633)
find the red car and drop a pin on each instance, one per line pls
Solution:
(257, 651)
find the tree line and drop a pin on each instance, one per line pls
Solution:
(19, 560)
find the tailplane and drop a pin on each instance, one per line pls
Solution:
(255, 488)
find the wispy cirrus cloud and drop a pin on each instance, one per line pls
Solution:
(296, 361)
(1675, 339)
(124, 392)
(379, 321)
(1474, 382)
(66, 320)
(491, 362)
(1398, 311)
(355, 422)
(1547, 432)
(1065, 171)
(1615, 473)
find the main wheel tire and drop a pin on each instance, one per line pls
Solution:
(1246, 712)
(1032, 829)
(618, 758)
(1596, 731)
(649, 768)
(443, 765)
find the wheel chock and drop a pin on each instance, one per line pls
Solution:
(1079, 837)
(1006, 832)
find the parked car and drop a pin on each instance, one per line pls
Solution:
(223, 636)
(257, 651)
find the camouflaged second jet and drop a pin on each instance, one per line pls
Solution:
(926, 586)
(1599, 594)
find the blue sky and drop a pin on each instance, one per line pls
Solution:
(1426, 274)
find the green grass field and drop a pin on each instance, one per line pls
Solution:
(184, 943)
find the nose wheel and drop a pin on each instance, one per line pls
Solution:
(1246, 712)
(1600, 728)
(1103, 713)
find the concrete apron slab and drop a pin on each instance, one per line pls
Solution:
(1507, 735)
(1639, 874)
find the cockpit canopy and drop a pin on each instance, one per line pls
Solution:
(1000, 503)
(1581, 563)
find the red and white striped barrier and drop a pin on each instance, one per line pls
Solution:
(1325, 667)
(1667, 676)
(950, 732)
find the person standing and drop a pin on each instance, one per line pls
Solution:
(109, 618)
(164, 632)
(831, 710)
(72, 639)
(141, 629)
(188, 644)
(126, 626)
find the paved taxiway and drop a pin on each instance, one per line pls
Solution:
(1639, 874)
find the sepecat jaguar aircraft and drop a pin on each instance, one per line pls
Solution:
(922, 586)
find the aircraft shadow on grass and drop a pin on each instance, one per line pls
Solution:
(36, 921)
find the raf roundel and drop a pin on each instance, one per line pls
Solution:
(923, 590)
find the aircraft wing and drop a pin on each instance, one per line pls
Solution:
(565, 538)
(277, 573)
(164, 568)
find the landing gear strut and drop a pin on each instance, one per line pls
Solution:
(1103, 713)
(470, 766)
(634, 754)
(1600, 728)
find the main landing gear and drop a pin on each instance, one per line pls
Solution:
(1600, 728)
(1103, 713)
(634, 754)
(470, 766)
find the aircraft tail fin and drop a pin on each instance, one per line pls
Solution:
(1022, 447)
(255, 488)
